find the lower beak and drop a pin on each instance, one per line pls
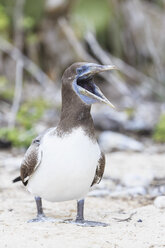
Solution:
(99, 96)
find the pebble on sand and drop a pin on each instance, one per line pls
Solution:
(160, 202)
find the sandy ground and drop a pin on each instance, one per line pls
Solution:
(145, 228)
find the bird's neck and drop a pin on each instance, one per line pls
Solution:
(75, 114)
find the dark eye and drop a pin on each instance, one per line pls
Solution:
(81, 69)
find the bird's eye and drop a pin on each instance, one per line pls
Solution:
(81, 69)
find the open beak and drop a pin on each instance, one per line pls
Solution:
(89, 89)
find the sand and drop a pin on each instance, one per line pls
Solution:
(133, 221)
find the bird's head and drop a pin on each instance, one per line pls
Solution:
(79, 78)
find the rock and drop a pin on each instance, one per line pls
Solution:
(160, 202)
(138, 126)
(99, 193)
(135, 180)
(112, 141)
(135, 191)
(125, 192)
(107, 119)
(142, 120)
(156, 191)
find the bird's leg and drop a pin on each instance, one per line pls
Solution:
(80, 217)
(80, 211)
(40, 214)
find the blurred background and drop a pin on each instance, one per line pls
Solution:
(40, 39)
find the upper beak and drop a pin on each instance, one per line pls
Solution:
(94, 69)
(98, 96)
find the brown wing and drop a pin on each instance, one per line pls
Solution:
(99, 170)
(31, 160)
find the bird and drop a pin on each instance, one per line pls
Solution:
(65, 161)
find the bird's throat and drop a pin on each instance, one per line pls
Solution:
(75, 115)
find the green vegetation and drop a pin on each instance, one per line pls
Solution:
(28, 23)
(91, 14)
(159, 133)
(18, 137)
(4, 20)
(29, 114)
(6, 91)
(33, 11)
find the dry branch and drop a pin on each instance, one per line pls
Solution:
(28, 65)
(22, 62)
(126, 219)
(17, 93)
(126, 69)
(70, 36)
(18, 41)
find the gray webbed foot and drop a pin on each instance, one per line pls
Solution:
(40, 214)
(42, 218)
(86, 223)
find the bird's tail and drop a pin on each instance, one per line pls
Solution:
(17, 179)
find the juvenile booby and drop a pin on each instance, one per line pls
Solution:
(65, 161)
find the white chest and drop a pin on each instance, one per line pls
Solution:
(68, 167)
